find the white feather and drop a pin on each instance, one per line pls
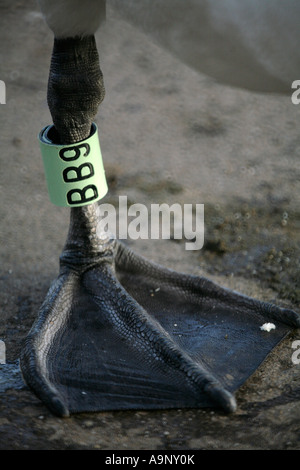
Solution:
(69, 18)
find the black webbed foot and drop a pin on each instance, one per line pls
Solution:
(119, 332)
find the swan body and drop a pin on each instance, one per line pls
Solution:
(251, 44)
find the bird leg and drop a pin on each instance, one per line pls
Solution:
(75, 87)
(117, 331)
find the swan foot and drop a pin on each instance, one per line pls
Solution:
(117, 332)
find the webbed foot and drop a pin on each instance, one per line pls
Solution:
(119, 332)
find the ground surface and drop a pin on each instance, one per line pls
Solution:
(168, 135)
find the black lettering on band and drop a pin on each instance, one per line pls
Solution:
(68, 178)
(76, 149)
(82, 194)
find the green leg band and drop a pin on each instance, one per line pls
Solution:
(74, 173)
